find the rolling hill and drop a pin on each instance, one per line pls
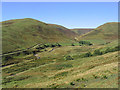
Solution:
(102, 34)
(24, 33)
(65, 66)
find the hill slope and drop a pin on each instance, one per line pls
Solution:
(82, 31)
(23, 33)
(104, 33)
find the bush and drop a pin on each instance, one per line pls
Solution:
(117, 48)
(104, 77)
(85, 42)
(68, 58)
(72, 83)
(46, 45)
(109, 50)
(73, 44)
(97, 52)
(95, 76)
(6, 58)
(59, 45)
(88, 54)
(34, 52)
(52, 45)
(27, 52)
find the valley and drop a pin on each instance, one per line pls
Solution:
(41, 55)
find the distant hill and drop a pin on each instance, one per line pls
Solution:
(24, 33)
(81, 31)
(104, 33)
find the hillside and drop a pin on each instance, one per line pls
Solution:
(24, 33)
(81, 31)
(67, 64)
(52, 70)
(102, 34)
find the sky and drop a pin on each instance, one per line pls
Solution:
(68, 14)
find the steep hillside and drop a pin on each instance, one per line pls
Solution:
(82, 31)
(102, 34)
(23, 33)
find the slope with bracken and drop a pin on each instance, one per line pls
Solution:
(24, 33)
(107, 32)
(81, 31)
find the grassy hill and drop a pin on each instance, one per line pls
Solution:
(24, 33)
(102, 34)
(71, 65)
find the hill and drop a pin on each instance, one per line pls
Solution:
(24, 33)
(71, 65)
(81, 31)
(102, 34)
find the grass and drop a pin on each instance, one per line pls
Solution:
(23, 33)
(63, 70)
(102, 34)
(62, 67)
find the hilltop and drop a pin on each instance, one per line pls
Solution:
(24, 33)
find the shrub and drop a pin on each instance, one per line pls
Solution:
(34, 52)
(97, 52)
(78, 80)
(46, 45)
(85, 42)
(73, 44)
(104, 77)
(27, 52)
(52, 45)
(59, 45)
(6, 58)
(88, 54)
(95, 76)
(108, 50)
(72, 83)
(117, 48)
(68, 58)
(83, 79)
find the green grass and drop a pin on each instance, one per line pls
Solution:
(62, 67)
(107, 32)
(56, 69)
(24, 33)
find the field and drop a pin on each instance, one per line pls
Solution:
(89, 60)
(54, 71)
